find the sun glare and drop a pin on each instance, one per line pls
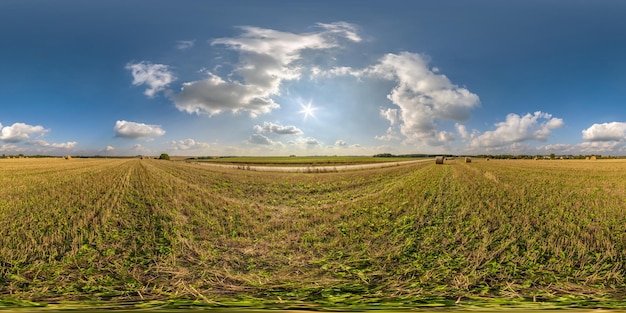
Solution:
(308, 110)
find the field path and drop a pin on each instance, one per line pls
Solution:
(313, 169)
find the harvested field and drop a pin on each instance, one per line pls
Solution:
(137, 230)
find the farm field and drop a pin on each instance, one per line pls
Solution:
(158, 233)
(304, 161)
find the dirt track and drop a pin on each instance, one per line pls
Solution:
(313, 169)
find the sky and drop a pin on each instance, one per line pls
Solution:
(222, 78)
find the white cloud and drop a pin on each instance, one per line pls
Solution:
(266, 58)
(423, 97)
(341, 29)
(599, 147)
(19, 132)
(109, 149)
(341, 143)
(310, 141)
(189, 144)
(11, 148)
(389, 136)
(305, 142)
(614, 131)
(258, 139)
(515, 128)
(156, 76)
(214, 95)
(185, 44)
(271, 128)
(132, 130)
(391, 115)
(43, 143)
(588, 147)
(462, 131)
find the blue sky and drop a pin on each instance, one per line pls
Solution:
(312, 77)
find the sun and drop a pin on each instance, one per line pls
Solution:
(308, 110)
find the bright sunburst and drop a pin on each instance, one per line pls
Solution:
(308, 110)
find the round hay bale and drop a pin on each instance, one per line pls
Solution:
(468, 160)
(439, 160)
(67, 157)
(587, 158)
(593, 158)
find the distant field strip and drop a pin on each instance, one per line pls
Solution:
(314, 168)
(498, 231)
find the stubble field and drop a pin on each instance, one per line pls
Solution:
(498, 232)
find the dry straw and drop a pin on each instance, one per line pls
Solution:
(439, 160)
(593, 158)
(67, 157)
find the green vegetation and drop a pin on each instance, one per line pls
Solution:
(171, 234)
(164, 156)
(302, 161)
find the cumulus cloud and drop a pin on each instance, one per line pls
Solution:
(614, 131)
(271, 128)
(258, 139)
(188, 144)
(156, 76)
(341, 143)
(305, 142)
(109, 149)
(20, 132)
(267, 57)
(391, 115)
(423, 96)
(185, 44)
(43, 143)
(214, 95)
(132, 130)
(515, 128)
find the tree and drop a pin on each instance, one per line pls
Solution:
(552, 156)
(164, 156)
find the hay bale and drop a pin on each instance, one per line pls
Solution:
(593, 158)
(68, 157)
(468, 160)
(439, 160)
